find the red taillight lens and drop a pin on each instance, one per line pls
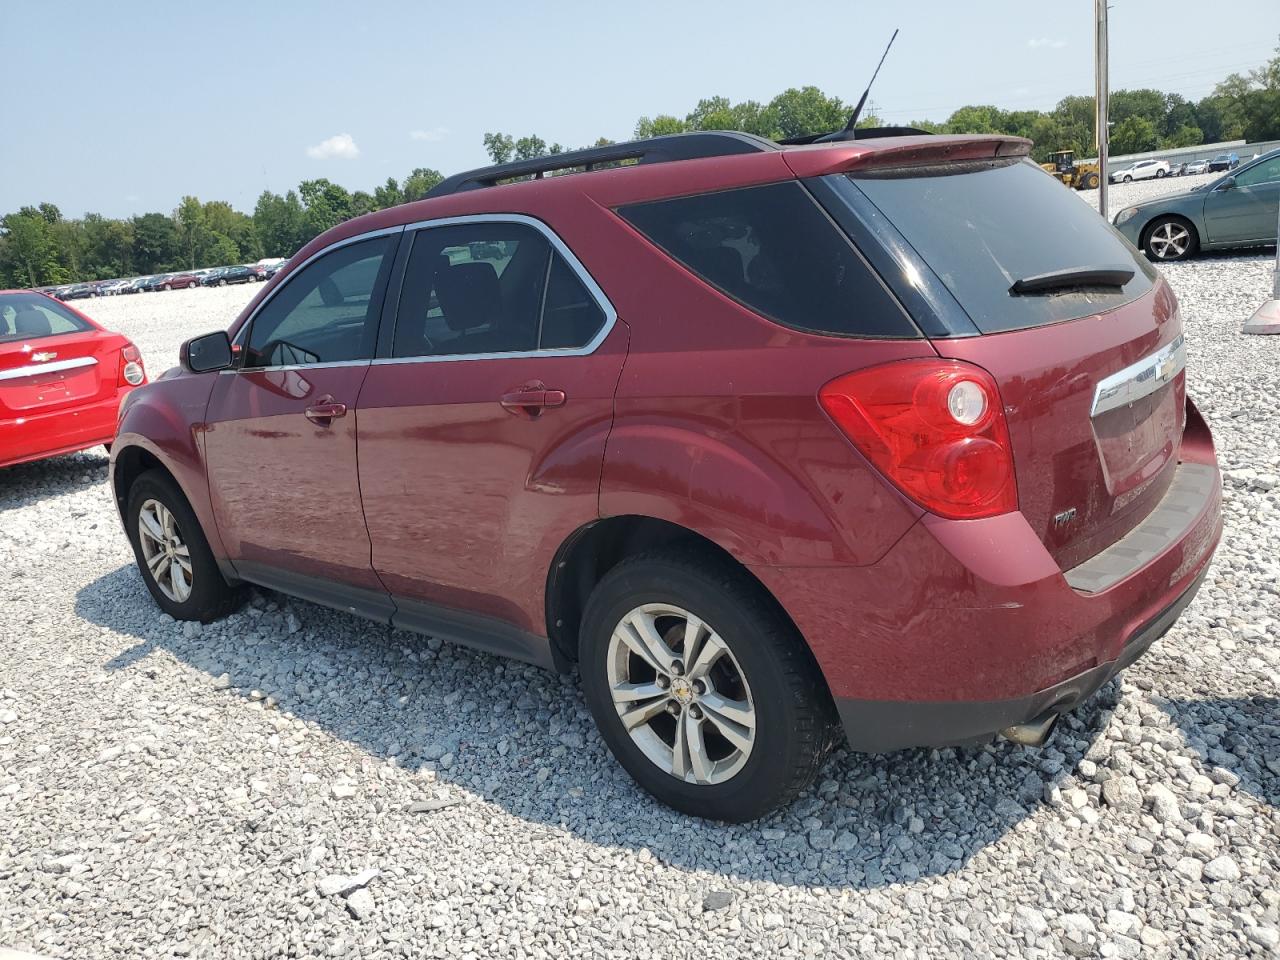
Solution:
(935, 429)
(132, 373)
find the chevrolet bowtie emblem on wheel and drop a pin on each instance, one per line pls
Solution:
(44, 356)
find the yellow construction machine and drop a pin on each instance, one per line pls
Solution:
(1080, 176)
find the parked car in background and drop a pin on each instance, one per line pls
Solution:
(210, 277)
(1196, 167)
(79, 291)
(180, 281)
(225, 275)
(62, 377)
(1237, 210)
(1224, 161)
(275, 268)
(152, 283)
(258, 270)
(111, 288)
(696, 426)
(1141, 170)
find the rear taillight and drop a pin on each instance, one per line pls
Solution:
(935, 429)
(132, 372)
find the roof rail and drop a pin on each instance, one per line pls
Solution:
(676, 146)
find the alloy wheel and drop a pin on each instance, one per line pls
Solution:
(1170, 240)
(167, 557)
(681, 694)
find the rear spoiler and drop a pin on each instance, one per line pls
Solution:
(821, 159)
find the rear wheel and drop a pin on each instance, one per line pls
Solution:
(702, 688)
(1159, 174)
(1090, 181)
(167, 286)
(172, 553)
(1169, 239)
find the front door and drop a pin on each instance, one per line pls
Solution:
(281, 434)
(1247, 210)
(482, 430)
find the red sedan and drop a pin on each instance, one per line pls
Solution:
(61, 378)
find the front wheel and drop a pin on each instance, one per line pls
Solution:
(172, 553)
(702, 688)
(1090, 181)
(1127, 179)
(1169, 239)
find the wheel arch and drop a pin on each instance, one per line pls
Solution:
(597, 547)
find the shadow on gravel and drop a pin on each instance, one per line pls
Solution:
(26, 484)
(1240, 735)
(868, 822)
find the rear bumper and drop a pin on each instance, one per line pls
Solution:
(873, 726)
(63, 431)
(966, 627)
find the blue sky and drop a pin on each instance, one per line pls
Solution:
(123, 107)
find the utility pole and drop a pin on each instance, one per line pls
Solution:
(1102, 103)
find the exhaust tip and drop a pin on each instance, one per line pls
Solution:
(1033, 733)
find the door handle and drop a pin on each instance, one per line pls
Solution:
(531, 399)
(325, 412)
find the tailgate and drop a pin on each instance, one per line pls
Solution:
(1096, 409)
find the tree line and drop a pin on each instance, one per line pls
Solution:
(39, 246)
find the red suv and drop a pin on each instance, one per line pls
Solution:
(889, 435)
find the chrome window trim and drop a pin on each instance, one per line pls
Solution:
(238, 340)
(300, 366)
(588, 281)
(31, 369)
(1140, 379)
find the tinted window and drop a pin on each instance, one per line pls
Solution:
(981, 227)
(1267, 171)
(490, 288)
(774, 250)
(26, 316)
(325, 313)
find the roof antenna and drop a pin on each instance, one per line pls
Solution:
(862, 101)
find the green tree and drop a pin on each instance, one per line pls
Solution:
(1134, 134)
(280, 223)
(387, 195)
(659, 126)
(191, 229)
(1186, 135)
(499, 146)
(419, 183)
(155, 243)
(976, 119)
(29, 252)
(327, 205)
(803, 111)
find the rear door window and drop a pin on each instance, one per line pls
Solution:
(983, 226)
(774, 250)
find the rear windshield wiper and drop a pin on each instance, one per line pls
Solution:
(1113, 276)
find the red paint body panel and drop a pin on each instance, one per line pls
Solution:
(284, 489)
(467, 502)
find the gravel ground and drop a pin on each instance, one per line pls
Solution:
(297, 782)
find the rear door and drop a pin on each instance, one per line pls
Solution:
(51, 358)
(1246, 210)
(482, 424)
(1091, 377)
(280, 438)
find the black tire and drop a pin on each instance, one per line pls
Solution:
(211, 597)
(167, 287)
(1126, 179)
(794, 716)
(1159, 174)
(1157, 239)
(1090, 181)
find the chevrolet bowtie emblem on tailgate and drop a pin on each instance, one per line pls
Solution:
(43, 356)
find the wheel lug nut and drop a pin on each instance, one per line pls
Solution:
(673, 708)
(695, 711)
(677, 668)
(663, 683)
(699, 687)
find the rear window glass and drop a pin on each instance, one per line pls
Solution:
(775, 251)
(981, 227)
(26, 316)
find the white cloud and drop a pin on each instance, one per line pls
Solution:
(340, 146)
(434, 135)
(1036, 42)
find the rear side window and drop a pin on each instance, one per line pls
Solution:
(490, 288)
(981, 227)
(26, 316)
(776, 252)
